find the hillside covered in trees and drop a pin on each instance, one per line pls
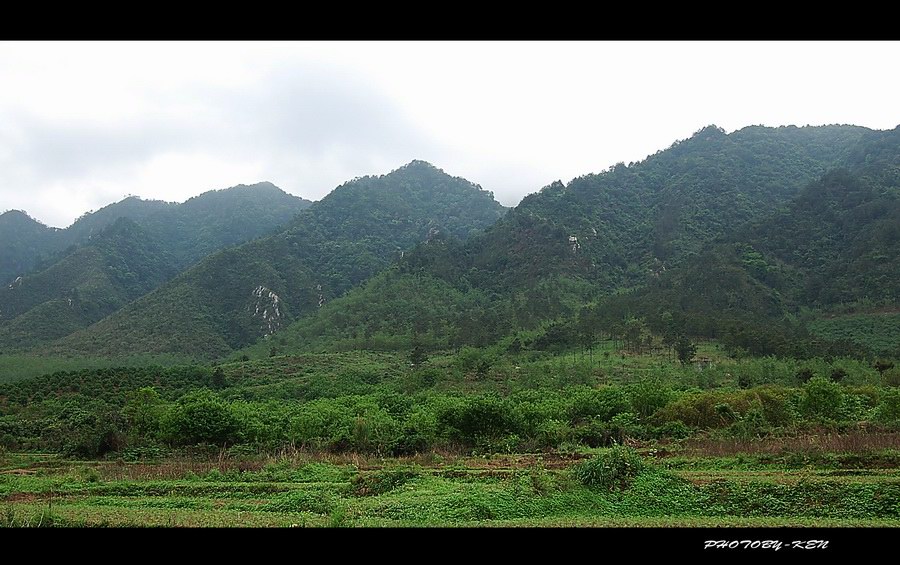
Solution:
(232, 298)
(769, 221)
(741, 237)
(68, 279)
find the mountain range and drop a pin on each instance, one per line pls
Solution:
(60, 280)
(730, 236)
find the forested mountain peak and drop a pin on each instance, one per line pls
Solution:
(629, 222)
(656, 222)
(19, 216)
(120, 252)
(340, 241)
(242, 191)
(407, 202)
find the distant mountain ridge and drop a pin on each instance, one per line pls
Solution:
(110, 257)
(233, 297)
(720, 235)
(660, 224)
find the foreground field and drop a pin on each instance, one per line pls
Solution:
(849, 490)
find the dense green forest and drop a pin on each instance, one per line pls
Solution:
(236, 296)
(121, 252)
(483, 399)
(707, 337)
(831, 239)
(122, 263)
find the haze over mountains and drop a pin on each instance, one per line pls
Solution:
(729, 235)
(59, 280)
(234, 297)
(723, 232)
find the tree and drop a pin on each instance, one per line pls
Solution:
(142, 412)
(217, 381)
(418, 355)
(635, 329)
(199, 417)
(586, 332)
(685, 349)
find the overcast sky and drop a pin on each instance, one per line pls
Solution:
(85, 124)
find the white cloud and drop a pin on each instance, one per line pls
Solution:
(82, 124)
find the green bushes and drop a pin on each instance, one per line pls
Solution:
(199, 417)
(380, 482)
(613, 469)
(586, 403)
(891, 377)
(888, 410)
(822, 399)
(649, 396)
(355, 423)
(364, 404)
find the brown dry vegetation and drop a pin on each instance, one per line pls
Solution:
(853, 442)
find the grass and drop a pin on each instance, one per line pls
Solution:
(880, 331)
(15, 367)
(510, 490)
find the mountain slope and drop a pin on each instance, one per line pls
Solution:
(647, 223)
(221, 218)
(233, 297)
(24, 242)
(837, 243)
(122, 263)
(147, 243)
(633, 221)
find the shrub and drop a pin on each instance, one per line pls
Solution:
(380, 482)
(552, 433)
(649, 396)
(585, 403)
(419, 433)
(822, 399)
(891, 377)
(481, 416)
(199, 417)
(613, 469)
(888, 410)
(753, 424)
(805, 374)
(673, 430)
(598, 433)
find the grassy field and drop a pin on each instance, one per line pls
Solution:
(880, 331)
(303, 490)
(16, 367)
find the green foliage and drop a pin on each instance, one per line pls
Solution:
(143, 414)
(685, 350)
(374, 403)
(475, 360)
(604, 403)
(613, 469)
(380, 482)
(888, 410)
(879, 332)
(891, 377)
(822, 398)
(417, 355)
(649, 396)
(336, 244)
(199, 417)
(123, 251)
(317, 501)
